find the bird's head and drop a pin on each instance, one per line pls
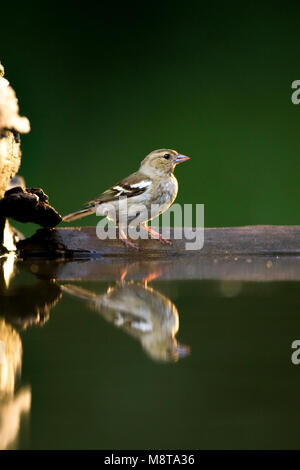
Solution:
(162, 161)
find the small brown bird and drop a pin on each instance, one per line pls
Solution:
(149, 192)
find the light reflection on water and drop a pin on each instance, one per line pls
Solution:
(86, 384)
(20, 306)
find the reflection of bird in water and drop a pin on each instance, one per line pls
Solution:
(142, 312)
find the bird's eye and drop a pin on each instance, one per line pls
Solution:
(167, 156)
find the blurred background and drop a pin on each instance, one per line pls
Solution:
(104, 85)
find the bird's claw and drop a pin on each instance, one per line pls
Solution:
(165, 241)
(130, 244)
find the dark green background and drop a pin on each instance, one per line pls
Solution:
(104, 85)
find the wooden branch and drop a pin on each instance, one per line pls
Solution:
(83, 242)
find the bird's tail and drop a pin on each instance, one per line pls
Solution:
(78, 214)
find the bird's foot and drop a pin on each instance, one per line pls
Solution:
(127, 242)
(162, 240)
(130, 244)
(165, 241)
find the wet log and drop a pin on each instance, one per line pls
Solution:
(230, 241)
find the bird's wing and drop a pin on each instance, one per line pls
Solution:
(133, 185)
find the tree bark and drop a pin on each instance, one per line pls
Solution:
(11, 125)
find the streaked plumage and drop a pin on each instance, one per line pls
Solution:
(152, 185)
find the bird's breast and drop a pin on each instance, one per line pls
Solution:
(165, 194)
(166, 191)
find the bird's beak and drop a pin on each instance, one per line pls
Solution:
(181, 158)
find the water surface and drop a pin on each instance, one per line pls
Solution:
(153, 365)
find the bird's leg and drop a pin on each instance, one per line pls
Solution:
(125, 240)
(123, 275)
(158, 235)
(125, 270)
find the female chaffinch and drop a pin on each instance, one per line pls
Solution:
(150, 191)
